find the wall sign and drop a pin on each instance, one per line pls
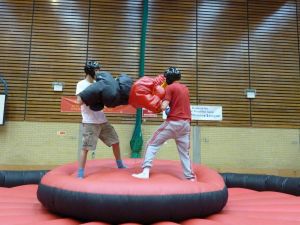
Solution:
(2, 108)
(205, 112)
(202, 112)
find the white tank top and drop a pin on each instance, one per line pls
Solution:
(88, 115)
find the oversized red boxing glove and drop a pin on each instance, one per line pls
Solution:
(148, 92)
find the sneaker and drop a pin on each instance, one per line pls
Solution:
(193, 179)
(80, 173)
(120, 164)
(141, 175)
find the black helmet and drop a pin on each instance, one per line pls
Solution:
(172, 74)
(91, 66)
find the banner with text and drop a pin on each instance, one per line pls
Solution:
(68, 104)
(205, 112)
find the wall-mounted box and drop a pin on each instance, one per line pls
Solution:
(2, 108)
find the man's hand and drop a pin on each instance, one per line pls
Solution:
(167, 110)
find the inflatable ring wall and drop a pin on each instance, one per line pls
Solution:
(112, 195)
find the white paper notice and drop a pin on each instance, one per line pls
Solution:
(204, 112)
(2, 104)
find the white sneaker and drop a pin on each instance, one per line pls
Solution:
(141, 175)
(194, 179)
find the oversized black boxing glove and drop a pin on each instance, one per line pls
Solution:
(125, 84)
(107, 91)
(102, 91)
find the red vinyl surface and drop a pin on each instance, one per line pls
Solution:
(19, 205)
(102, 177)
(105, 189)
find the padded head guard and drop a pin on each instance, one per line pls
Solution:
(172, 74)
(90, 67)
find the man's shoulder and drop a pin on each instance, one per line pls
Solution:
(81, 81)
(176, 85)
(81, 85)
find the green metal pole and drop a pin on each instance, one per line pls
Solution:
(136, 142)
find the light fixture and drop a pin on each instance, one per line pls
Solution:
(250, 93)
(57, 86)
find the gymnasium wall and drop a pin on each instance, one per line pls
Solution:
(222, 48)
(45, 145)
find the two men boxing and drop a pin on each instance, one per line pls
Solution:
(146, 92)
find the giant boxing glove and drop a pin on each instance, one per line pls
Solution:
(107, 91)
(148, 92)
(125, 84)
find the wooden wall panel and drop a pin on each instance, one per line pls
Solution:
(15, 31)
(274, 62)
(171, 41)
(114, 39)
(58, 53)
(222, 48)
(298, 23)
(223, 72)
